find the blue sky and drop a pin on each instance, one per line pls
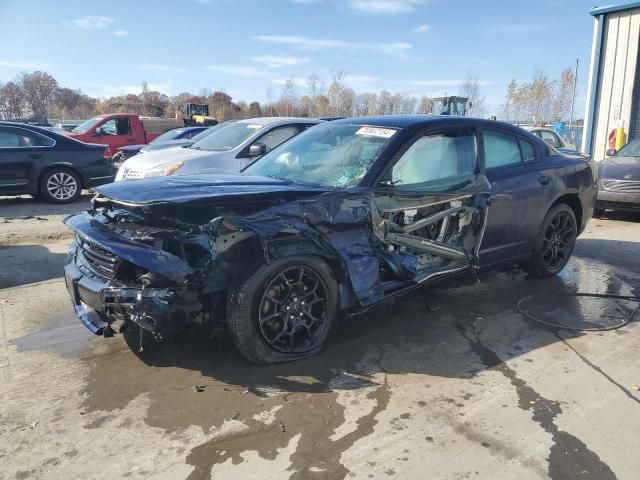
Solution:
(246, 46)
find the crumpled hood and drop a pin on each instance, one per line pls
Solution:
(167, 155)
(620, 168)
(202, 187)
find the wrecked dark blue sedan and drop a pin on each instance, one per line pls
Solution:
(344, 216)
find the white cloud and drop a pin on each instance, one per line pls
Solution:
(236, 70)
(514, 28)
(310, 43)
(384, 6)
(121, 33)
(274, 61)
(422, 29)
(92, 22)
(24, 65)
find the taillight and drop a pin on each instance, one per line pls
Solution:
(107, 153)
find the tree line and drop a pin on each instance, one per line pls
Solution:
(541, 99)
(38, 94)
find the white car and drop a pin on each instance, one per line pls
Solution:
(552, 138)
(231, 147)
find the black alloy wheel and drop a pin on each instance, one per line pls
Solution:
(292, 314)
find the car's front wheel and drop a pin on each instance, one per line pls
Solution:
(60, 185)
(555, 242)
(283, 310)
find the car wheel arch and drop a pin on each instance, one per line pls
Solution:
(284, 245)
(572, 200)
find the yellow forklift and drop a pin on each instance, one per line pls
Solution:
(197, 115)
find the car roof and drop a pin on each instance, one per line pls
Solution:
(405, 121)
(33, 128)
(270, 120)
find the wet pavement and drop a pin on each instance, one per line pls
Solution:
(471, 390)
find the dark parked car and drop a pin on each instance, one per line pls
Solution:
(339, 218)
(43, 163)
(177, 137)
(619, 180)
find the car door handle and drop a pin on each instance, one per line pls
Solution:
(35, 155)
(544, 180)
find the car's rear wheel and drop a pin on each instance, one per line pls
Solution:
(60, 185)
(555, 242)
(284, 310)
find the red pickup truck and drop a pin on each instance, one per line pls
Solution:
(121, 129)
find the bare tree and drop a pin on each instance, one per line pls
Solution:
(335, 94)
(288, 96)
(562, 94)
(12, 101)
(385, 104)
(538, 96)
(471, 90)
(426, 105)
(67, 100)
(39, 89)
(255, 110)
(314, 86)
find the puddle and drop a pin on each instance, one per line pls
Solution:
(63, 334)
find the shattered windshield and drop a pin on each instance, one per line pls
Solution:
(329, 155)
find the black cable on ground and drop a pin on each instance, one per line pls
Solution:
(627, 320)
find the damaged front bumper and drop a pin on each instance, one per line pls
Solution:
(108, 305)
(106, 308)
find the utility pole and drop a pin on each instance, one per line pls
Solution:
(573, 97)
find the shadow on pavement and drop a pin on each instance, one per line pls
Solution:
(24, 264)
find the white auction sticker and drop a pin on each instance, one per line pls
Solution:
(376, 132)
(255, 126)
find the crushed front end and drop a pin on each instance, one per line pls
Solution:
(123, 270)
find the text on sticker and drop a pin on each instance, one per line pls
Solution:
(376, 132)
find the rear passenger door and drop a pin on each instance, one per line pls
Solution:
(522, 187)
(21, 153)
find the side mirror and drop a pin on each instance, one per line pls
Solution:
(97, 132)
(257, 150)
(610, 152)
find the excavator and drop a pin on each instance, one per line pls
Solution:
(196, 115)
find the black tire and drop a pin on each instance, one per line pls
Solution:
(261, 301)
(554, 242)
(60, 185)
(598, 212)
